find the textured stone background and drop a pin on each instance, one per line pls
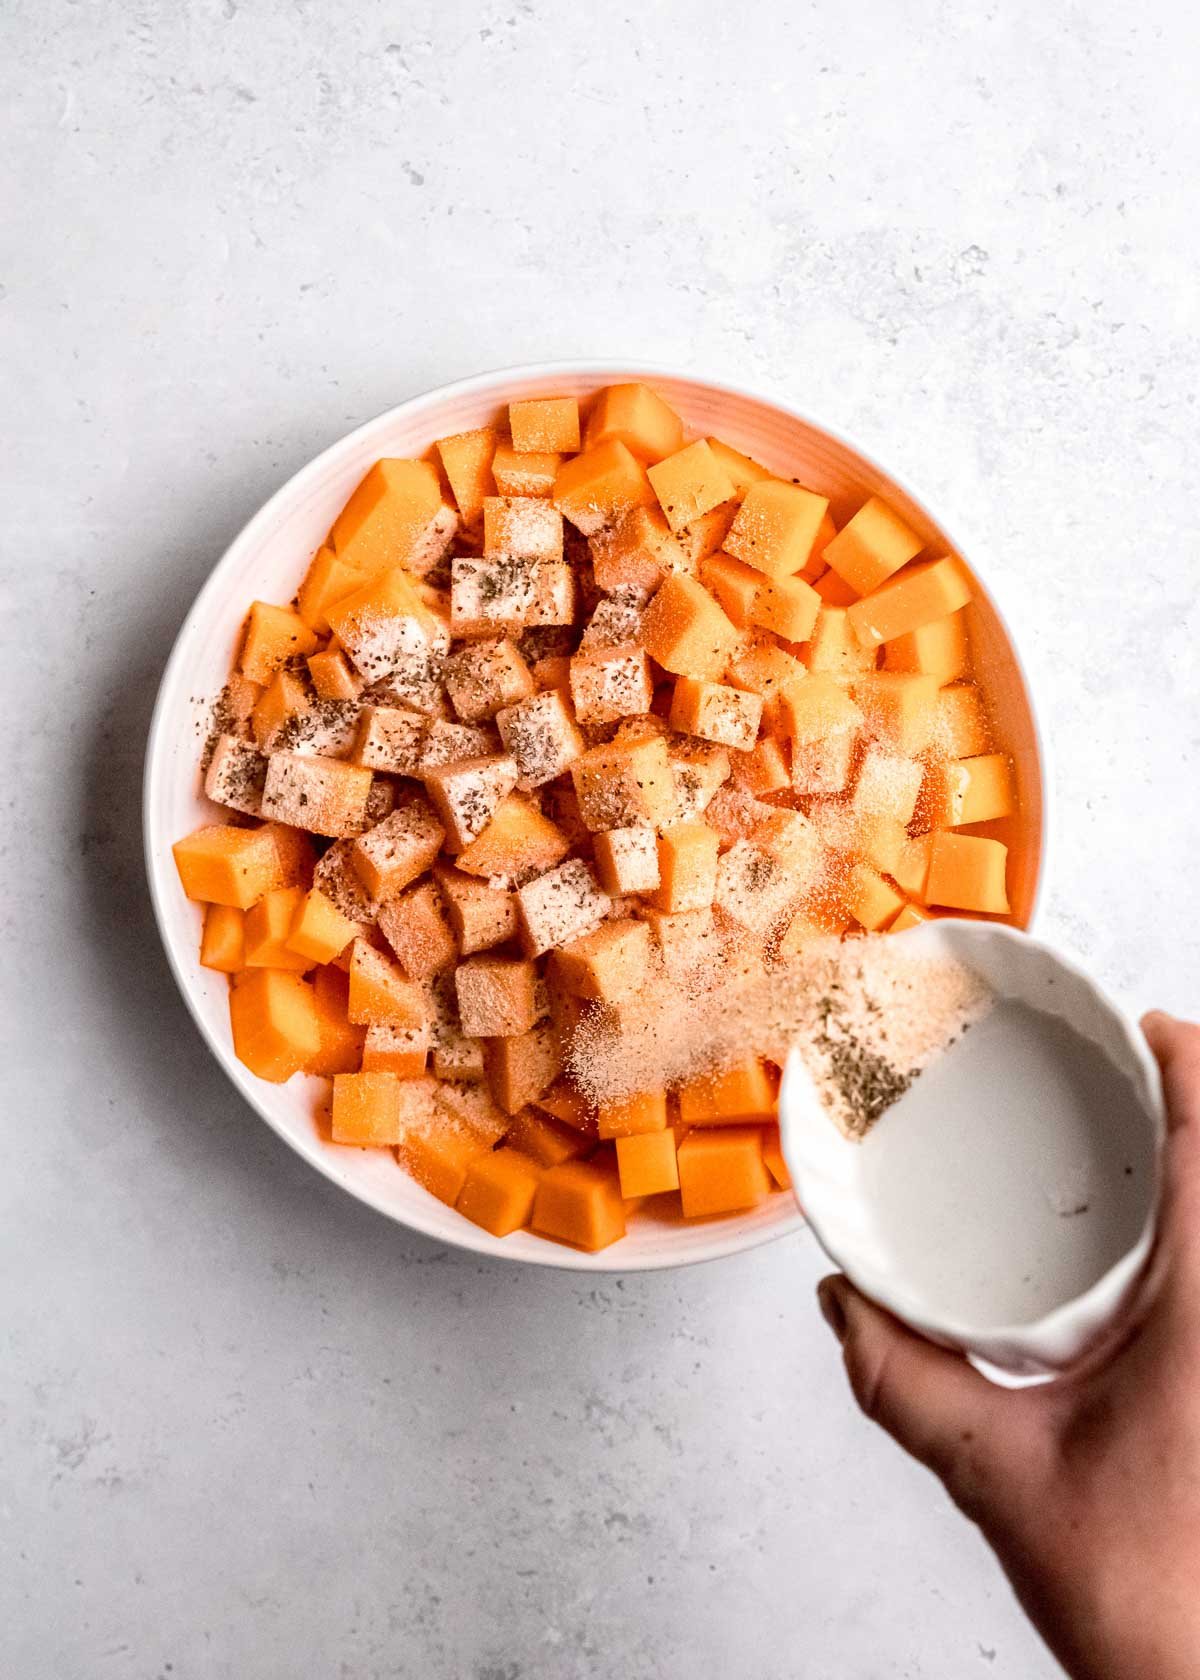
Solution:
(249, 1429)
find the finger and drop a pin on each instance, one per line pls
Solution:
(931, 1401)
(1176, 1047)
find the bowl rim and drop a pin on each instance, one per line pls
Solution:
(472, 1239)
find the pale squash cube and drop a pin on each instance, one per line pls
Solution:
(541, 736)
(496, 996)
(486, 595)
(450, 743)
(967, 872)
(616, 622)
(888, 785)
(961, 728)
(390, 738)
(483, 677)
(559, 906)
(235, 776)
(466, 793)
(686, 632)
(823, 766)
(323, 795)
(627, 860)
(636, 554)
(625, 784)
(391, 855)
(609, 682)
(387, 628)
(521, 528)
(715, 712)
(521, 1067)
(753, 890)
(417, 928)
(700, 768)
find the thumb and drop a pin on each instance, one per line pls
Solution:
(931, 1401)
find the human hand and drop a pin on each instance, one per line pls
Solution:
(1088, 1488)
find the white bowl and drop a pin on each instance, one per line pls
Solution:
(267, 561)
(999, 1208)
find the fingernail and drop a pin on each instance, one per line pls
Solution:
(831, 1307)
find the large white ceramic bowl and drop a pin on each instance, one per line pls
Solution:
(267, 561)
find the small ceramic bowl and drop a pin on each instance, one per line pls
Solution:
(1007, 1204)
(268, 559)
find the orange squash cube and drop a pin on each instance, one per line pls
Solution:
(381, 993)
(418, 930)
(607, 965)
(498, 1191)
(889, 785)
(816, 709)
(689, 483)
(580, 1203)
(517, 844)
(721, 1171)
(646, 1164)
(687, 867)
(686, 631)
(631, 1116)
(467, 462)
(341, 1042)
(273, 636)
(900, 708)
(465, 794)
(911, 916)
(403, 1051)
(728, 1097)
(770, 673)
(440, 1157)
(223, 944)
(637, 417)
(530, 474)
(566, 1104)
(872, 901)
(319, 932)
(968, 790)
(735, 585)
(967, 872)
(521, 528)
(520, 1067)
(636, 553)
(704, 536)
(234, 866)
(497, 996)
(961, 728)
(763, 770)
(772, 1154)
(267, 926)
(938, 649)
(787, 605)
(913, 598)
(544, 423)
(834, 646)
(396, 517)
(595, 488)
(366, 1110)
(741, 471)
(873, 545)
(776, 527)
(545, 1140)
(716, 712)
(817, 566)
(285, 697)
(332, 676)
(911, 868)
(273, 1015)
(834, 591)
